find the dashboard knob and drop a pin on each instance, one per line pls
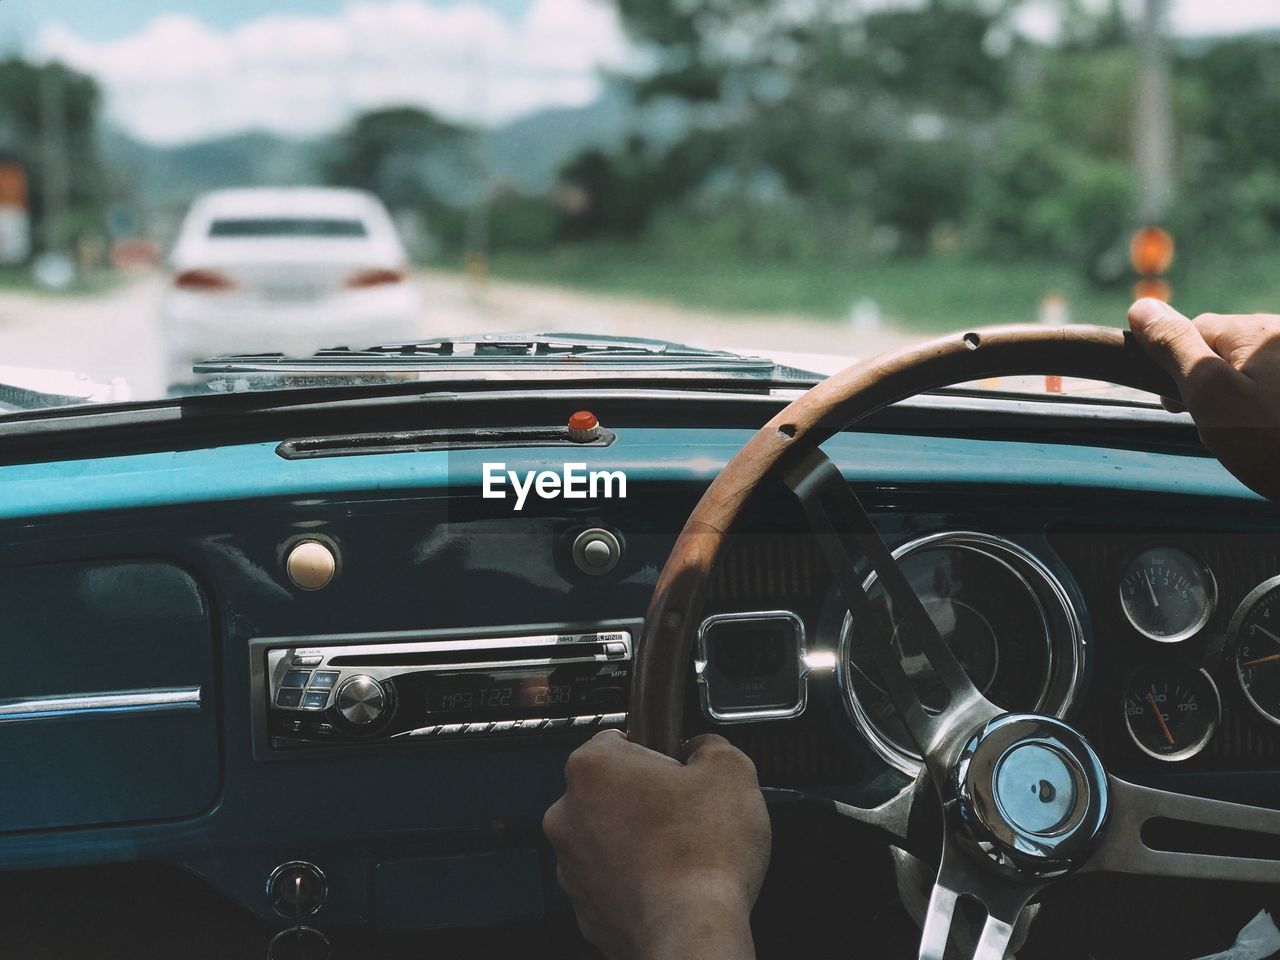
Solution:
(596, 551)
(297, 889)
(362, 700)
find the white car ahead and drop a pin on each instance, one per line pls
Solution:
(288, 271)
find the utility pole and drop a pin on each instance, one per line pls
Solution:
(1153, 121)
(56, 171)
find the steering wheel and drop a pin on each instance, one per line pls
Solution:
(1025, 799)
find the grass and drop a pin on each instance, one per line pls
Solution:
(929, 294)
(19, 279)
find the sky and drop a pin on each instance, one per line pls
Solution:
(176, 71)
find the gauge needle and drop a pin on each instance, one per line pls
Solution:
(1150, 589)
(1274, 658)
(1160, 716)
(1265, 632)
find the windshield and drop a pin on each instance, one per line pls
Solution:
(200, 196)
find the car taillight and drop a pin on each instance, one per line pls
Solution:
(202, 280)
(376, 277)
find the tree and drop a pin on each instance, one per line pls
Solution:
(22, 86)
(407, 156)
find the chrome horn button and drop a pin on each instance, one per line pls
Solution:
(1031, 796)
(1036, 788)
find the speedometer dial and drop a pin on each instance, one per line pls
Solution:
(1167, 594)
(1002, 614)
(1255, 629)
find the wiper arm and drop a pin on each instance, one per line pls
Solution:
(545, 345)
(497, 351)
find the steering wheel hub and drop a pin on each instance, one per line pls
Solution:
(1031, 795)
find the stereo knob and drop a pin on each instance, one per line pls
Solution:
(362, 700)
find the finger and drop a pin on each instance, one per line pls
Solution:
(703, 742)
(1172, 405)
(1169, 338)
(711, 749)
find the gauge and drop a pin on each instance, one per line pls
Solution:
(1171, 709)
(1255, 627)
(1002, 614)
(1167, 594)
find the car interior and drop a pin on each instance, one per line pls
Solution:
(294, 671)
(398, 395)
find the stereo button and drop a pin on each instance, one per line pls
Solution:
(555, 723)
(288, 698)
(315, 700)
(324, 680)
(295, 678)
(502, 726)
(580, 723)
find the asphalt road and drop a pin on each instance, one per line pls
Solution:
(116, 333)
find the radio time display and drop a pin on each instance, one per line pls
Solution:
(488, 695)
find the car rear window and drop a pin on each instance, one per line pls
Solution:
(240, 227)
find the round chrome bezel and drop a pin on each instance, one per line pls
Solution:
(1211, 592)
(1010, 555)
(1233, 632)
(1187, 752)
(311, 933)
(308, 867)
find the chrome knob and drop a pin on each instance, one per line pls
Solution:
(362, 700)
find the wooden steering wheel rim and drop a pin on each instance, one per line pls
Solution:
(663, 652)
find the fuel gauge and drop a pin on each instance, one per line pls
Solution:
(1171, 709)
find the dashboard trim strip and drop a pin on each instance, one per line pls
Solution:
(108, 703)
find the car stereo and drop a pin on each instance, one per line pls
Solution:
(350, 690)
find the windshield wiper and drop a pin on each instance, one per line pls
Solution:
(568, 353)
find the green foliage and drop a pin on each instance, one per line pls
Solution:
(520, 222)
(606, 195)
(396, 154)
(1058, 181)
(1230, 171)
(23, 85)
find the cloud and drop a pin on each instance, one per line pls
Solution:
(179, 79)
(1218, 17)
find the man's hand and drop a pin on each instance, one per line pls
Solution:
(661, 859)
(1227, 369)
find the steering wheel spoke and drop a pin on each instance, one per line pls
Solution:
(1002, 900)
(1157, 833)
(842, 526)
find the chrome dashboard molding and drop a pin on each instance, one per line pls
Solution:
(701, 659)
(109, 703)
(992, 545)
(1233, 637)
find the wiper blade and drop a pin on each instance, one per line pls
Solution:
(486, 352)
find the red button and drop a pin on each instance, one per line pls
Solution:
(583, 420)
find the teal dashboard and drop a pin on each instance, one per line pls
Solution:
(328, 645)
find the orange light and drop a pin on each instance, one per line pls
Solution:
(375, 277)
(205, 280)
(1151, 251)
(583, 420)
(1152, 287)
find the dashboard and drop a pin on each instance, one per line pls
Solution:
(250, 664)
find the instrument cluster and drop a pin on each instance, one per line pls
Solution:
(1188, 632)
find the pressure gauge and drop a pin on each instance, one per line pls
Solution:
(1167, 594)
